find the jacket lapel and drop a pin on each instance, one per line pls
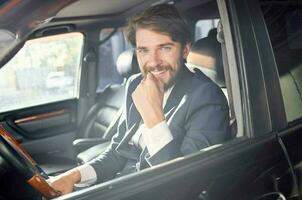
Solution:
(126, 148)
(181, 87)
(133, 115)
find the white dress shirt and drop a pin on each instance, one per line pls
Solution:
(154, 139)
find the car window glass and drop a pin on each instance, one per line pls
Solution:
(108, 54)
(286, 40)
(207, 28)
(203, 26)
(45, 70)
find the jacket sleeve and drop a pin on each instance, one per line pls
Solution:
(107, 164)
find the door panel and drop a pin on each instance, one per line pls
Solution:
(292, 139)
(240, 169)
(48, 119)
(46, 132)
(284, 30)
(43, 121)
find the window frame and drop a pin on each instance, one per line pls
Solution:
(259, 86)
(76, 78)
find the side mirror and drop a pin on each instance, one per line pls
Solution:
(6, 38)
(8, 41)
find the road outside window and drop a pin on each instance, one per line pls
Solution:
(45, 70)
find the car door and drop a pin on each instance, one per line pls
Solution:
(40, 89)
(254, 166)
(285, 38)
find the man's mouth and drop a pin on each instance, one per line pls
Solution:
(157, 72)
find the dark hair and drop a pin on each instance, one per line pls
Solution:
(162, 18)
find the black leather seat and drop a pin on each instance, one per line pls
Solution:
(108, 102)
(206, 56)
(100, 123)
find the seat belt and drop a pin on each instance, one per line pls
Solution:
(112, 128)
(90, 58)
(220, 38)
(87, 99)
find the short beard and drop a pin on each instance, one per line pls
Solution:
(170, 83)
(161, 67)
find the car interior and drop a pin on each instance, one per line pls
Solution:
(81, 129)
(63, 127)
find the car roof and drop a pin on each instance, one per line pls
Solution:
(23, 19)
(22, 16)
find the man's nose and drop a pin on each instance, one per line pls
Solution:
(154, 59)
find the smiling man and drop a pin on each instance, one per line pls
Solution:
(160, 60)
(169, 111)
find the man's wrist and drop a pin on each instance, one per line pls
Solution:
(152, 119)
(88, 175)
(156, 137)
(74, 176)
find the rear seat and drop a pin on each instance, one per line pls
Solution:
(291, 86)
(205, 55)
(100, 123)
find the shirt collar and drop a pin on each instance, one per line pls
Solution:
(167, 94)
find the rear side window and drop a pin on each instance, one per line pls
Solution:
(109, 50)
(45, 70)
(204, 26)
(284, 25)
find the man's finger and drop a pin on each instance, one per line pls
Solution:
(149, 76)
(161, 85)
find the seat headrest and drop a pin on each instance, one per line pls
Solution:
(205, 55)
(126, 64)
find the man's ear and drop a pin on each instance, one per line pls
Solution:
(186, 50)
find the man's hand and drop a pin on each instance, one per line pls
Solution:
(148, 99)
(64, 182)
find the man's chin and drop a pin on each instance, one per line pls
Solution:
(169, 84)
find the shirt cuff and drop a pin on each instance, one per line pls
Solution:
(88, 175)
(156, 137)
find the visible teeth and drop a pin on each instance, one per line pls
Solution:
(156, 71)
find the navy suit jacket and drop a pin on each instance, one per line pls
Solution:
(196, 112)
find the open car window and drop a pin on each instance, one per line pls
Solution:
(45, 70)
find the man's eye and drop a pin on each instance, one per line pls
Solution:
(166, 48)
(142, 51)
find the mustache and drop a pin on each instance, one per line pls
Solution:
(158, 68)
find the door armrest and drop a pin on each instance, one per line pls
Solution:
(82, 144)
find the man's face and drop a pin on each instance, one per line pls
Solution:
(159, 55)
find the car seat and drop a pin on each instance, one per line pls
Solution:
(205, 55)
(101, 121)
